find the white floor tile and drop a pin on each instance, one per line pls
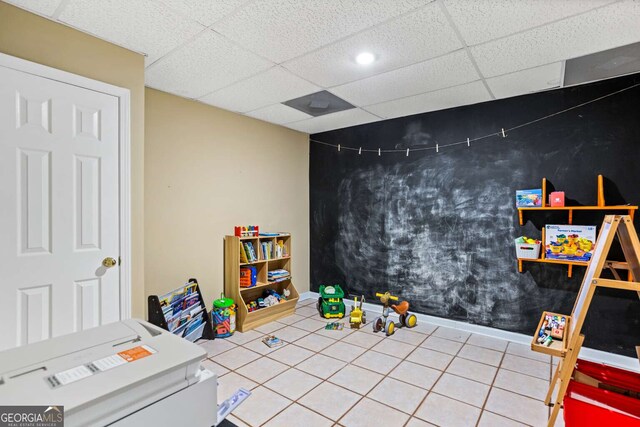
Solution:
(261, 406)
(293, 384)
(343, 351)
(236, 357)
(368, 412)
(443, 411)
(309, 324)
(433, 359)
(462, 389)
(489, 419)
(479, 354)
(517, 407)
(356, 379)
(290, 319)
(522, 384)
(269, 328)
(473, 370)
(412, 373)
(377, 362)
(290, 334)
(291, 354)
(488, 342)
(394, 348)
(398, 395)
(321, 366)
(262, 369)
(217, 346)
(451, 334)
(527, 366)
(239, 338)
(408, 336)
(308, 311)
(363, 339)
(314, 342)
(330, 400)
(299, 416)
(442, 345)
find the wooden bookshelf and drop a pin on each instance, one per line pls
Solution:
(246, 320)
(601, 206)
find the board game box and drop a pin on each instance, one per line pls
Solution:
(570, 242)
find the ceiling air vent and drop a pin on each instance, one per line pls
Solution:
(319, 104)
(603, 65)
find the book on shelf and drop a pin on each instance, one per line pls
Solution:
(278, 275)
(267, 250)
(249, 252)
(243, 254)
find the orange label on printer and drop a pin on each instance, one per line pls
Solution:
(136, 353)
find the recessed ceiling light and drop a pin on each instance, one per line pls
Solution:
(365, 58)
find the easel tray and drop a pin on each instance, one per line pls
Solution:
(557, 347)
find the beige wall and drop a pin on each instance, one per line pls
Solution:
(207, 170)
(31, 37)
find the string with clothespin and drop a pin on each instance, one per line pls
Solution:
(503, 132)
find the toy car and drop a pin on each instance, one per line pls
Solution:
(383, 323)
(330, 304)
(357, 317)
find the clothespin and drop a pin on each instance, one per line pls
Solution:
(360, 150)
(436, 148)
(468, 144)
(378, 151)
(407, 152)
(338, 147)
(503, 135)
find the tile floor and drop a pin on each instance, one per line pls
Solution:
(425, 376)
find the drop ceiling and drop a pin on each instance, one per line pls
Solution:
(249, 56)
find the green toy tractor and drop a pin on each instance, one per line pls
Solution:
(330, 303)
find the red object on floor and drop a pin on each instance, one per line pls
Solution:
(585, 405)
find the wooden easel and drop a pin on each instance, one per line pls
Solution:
(568, 350)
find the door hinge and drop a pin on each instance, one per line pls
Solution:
(119, 261)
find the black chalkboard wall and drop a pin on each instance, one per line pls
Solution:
(438, 229)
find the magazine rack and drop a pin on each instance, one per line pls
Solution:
(157, 317)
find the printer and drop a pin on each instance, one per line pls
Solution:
(129, 373)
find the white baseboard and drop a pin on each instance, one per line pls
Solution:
(624, 362)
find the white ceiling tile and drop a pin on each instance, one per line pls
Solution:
(466, 94)
(270, 87)
(438, 73)
(483, 20)
(141, 25)
(278, 114)
(205, 12)
(411, 38)
(283, 29)
(605, 28)
(43, 7)
(338, 120)
(526, 81)
(207, 63)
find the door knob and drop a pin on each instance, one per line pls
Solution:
(109, 262)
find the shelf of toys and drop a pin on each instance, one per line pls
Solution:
(258, 277)
(546, 206)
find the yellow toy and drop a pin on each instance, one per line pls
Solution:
(357, 317)
(383, 323)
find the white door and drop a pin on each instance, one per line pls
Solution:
(59, 209)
